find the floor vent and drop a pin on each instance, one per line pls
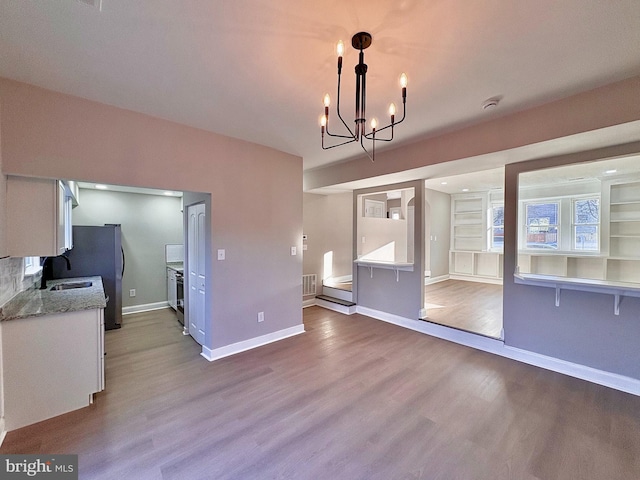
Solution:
(309, 284)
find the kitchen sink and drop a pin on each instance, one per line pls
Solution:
(71, 286)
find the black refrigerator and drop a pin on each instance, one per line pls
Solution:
(97, 251)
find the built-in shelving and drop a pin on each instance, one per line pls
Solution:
(621, 237)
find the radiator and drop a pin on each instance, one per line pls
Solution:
(309, 284)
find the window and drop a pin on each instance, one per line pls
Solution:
(497, 227)
(542, 225)
(586, 223)
(32, 265)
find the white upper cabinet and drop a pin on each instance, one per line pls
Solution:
(38, 217)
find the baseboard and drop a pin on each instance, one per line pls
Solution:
(310, 302)
(438, 279)
(336, 307)
(593, 375)
(477, 279)
(245, 345)
(147, 307)
(497, 347)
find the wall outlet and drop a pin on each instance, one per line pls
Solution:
(132, 292)
(293, 250)
(260, 316)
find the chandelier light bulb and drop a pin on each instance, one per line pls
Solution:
(374, 124)
(392, 109)
(340, 48)
(403, 80)
(323, 120)
(327, 100)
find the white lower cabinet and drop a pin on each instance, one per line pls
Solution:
(172, 288)
(53, 364)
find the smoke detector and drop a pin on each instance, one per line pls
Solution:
(491, 103)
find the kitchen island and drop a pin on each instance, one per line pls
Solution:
(52, 350)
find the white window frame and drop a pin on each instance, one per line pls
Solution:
(574, 237)
(491, 228)
(32, 265)
(558, 224)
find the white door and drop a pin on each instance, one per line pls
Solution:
(196, 267)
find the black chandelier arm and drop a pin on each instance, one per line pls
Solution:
(337, 144)
(338, 110)
(373, 154)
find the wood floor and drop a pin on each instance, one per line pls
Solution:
(352, 398)
(472, 306)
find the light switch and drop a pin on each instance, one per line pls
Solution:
(293, 250)
(221, 254)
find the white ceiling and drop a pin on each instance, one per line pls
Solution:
(258, 70)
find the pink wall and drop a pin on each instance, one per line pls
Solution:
(256, 192)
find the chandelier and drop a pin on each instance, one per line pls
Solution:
(360, 41)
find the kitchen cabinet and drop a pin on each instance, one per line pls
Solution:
(172, 295)
(53, 364)
(38, 217)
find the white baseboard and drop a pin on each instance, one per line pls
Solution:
(147, 307)
(497, 347)
(245, 345)
(310, 302)
(336, 307)
(438, 279)
(476, 278)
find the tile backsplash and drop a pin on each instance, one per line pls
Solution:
(12, 278)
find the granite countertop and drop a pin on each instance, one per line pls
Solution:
(177, 266)
(35, 302)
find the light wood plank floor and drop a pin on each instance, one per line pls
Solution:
(352, 398)
(472, 306)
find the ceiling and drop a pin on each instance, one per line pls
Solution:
(258, 70)
(493, 179)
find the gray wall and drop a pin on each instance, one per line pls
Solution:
(149, 222)
(328, 224)
(438, 238)
(583, 329)
(382, 292)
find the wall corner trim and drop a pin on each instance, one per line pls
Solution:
(3, 432)
(497, 347)
(228, 350)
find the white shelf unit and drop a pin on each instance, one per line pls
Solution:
(469, 258)
(621, 237)
(468, 219)
(480, 265)
(624, 232)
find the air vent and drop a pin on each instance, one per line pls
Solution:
(97, 4)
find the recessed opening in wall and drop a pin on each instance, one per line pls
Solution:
(464, 235)
(385, 226)
(583, 232)
(581, 221)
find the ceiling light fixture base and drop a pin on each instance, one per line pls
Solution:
(361, 40)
